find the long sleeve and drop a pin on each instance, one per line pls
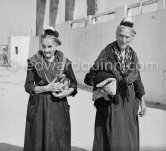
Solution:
(30, 79)
(90, 76)
(138, 85)
(73, 82)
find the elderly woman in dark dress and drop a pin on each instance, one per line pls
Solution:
(116, 125)
(50, 79)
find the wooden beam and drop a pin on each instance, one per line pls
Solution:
(69, 9)
(53, 12)
(40, 13)
(92, 7)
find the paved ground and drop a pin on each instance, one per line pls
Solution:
(13, 103)
(8, 147)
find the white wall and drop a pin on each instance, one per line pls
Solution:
(83, 45)
(18, 17)
(23, 44)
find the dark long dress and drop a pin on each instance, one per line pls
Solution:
(116, 124)
(48, 119)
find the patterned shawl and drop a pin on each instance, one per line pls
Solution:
(123, 63)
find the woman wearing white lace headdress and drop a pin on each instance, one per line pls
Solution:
(50, 79)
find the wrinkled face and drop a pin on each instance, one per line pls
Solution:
(49, 46)
(124, 37)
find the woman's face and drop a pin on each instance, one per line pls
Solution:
(49, 46)
(124, 37)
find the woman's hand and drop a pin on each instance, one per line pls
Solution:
(53, 86)
(63, 93)
(143, 108)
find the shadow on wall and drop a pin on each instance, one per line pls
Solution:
(8, 147)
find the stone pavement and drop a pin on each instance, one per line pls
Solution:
(13, 104)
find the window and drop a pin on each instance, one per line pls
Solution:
(16, 50)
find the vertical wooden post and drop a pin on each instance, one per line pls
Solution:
(53, 10)
(40, 13)
(69, 9)
(92, 7)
